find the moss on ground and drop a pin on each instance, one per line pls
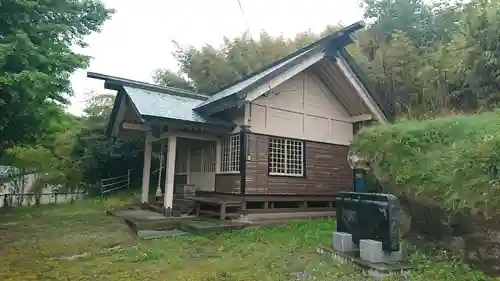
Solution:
(32, 237)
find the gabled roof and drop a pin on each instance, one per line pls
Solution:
(252, 80)
(149, 100)
(115, 83)
(169, 103)
(231, 93)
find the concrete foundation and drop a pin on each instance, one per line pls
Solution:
(291, 215)
(378, 271)
(371, 251)
(342, 242)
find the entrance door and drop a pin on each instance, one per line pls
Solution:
(203, 162)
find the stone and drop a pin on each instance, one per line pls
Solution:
(404, 223)
(371, 251)
(152, 234)
(300, 275)
(378, 271)
(370, 216)
(342, 242)
(457, 246)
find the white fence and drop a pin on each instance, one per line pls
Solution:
(30, 199)
(113, 184)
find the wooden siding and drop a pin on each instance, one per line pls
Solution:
(327, 170)
(227, 183)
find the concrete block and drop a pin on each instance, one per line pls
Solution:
(371, 251)
(342, 242)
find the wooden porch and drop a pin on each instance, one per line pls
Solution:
(247, 207)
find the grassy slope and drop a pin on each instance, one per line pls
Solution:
(31, 236)
(454, 159)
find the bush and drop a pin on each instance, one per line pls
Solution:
(453, 160)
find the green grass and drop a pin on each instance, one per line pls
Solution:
(453, 160)
(32, 237)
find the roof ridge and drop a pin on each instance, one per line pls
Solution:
(113, 81)
(348, 29)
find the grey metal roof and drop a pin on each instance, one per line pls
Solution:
(284, 63)
(163, 105)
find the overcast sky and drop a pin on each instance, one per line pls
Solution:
(138, 39)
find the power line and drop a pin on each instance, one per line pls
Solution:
(247, 25)
(245, 19)
(248, 28)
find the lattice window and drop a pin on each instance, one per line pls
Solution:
(286, 157)
(208, 157)
(181, 160)
(203, 157)
(196, 159)
(230, 154)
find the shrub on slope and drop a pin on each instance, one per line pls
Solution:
(454, 160)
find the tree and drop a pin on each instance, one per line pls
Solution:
(169, 78)
(475, 52)
(37, 162)
(425, 57)
(98, 155)
(399, 71)
(424, 23)
(36, 60)
(210, 68)
(452, 59)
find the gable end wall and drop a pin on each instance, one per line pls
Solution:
(304, 109)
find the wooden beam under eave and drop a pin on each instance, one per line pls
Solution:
(360, 89)
(136, 127)
(122, 109)
(360, 118)
(186, 135)
(130, 135)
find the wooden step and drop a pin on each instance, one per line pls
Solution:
(217, 214)
(203, 225)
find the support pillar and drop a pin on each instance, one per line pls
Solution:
(148, 146)
(158, 188)
(169, 175)
(218, 155)
(188, 165)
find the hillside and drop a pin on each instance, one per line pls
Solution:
(447, 173)
(454, 160)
